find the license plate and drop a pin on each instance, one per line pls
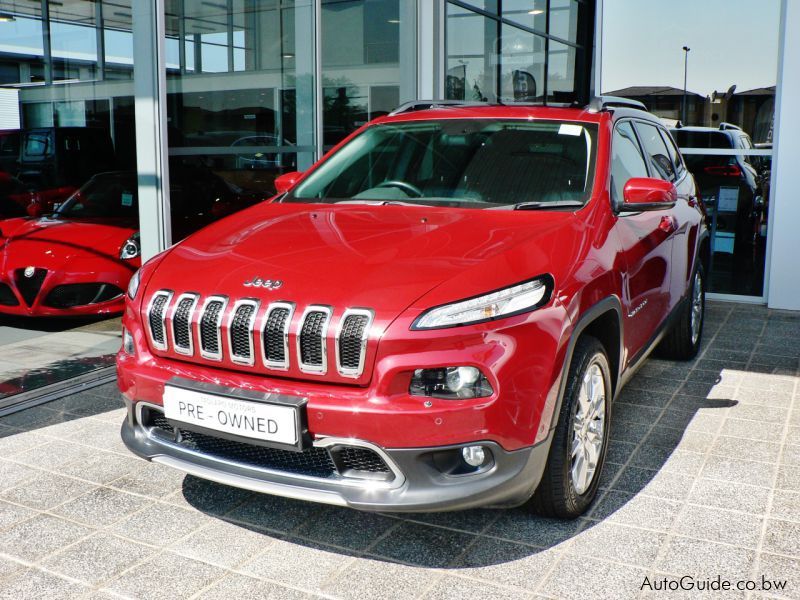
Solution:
(256, 420)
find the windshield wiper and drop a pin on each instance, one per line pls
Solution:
(545, 205)
(386, 202)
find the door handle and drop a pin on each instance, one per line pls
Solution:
(668, 224)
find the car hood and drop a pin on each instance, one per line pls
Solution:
(52, 243)
(379, 257)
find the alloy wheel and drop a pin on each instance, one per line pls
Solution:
(588, 428)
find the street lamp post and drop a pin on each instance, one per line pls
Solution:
(685, 71)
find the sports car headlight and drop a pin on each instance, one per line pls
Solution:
(131, 248)
(513, 300)
(133, 286)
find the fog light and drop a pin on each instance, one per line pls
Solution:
(474, 456)
(450, 383)
(127, 342)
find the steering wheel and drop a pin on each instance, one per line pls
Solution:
(403, 185)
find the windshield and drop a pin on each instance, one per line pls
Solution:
(110, 195)
(460, 163)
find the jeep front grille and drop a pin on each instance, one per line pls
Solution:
(248, 329)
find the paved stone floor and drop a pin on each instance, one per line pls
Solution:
(703, 480)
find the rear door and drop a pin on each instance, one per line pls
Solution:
(645, 245)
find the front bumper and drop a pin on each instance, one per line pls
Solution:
(416, 485)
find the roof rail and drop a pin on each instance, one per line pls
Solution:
(725, 126)
(415, 105)
(599, 103)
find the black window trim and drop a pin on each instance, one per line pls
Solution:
(648, 160)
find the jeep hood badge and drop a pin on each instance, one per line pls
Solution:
(258, 282)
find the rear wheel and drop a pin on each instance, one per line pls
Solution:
(683, 340)
(572, 474)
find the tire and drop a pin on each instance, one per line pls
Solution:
(682, 343)
(562, 493)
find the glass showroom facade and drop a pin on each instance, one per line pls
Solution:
(180, 112)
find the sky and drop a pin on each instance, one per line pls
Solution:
(731, 42)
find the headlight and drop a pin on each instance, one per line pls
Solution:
(133, 286)
(512, 300)
(131, 248)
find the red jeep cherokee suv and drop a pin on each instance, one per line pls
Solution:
(436, 316)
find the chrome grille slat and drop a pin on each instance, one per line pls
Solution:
(351, 341)
(182, 323)
(240, 331)
(275, 335)
(210, 326)
(156, 318)
(312, 337)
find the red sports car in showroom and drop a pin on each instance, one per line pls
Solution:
(77, 261)
(436, 316)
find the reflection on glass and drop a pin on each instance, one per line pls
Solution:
(471, 56)
(530, 13)
(366, 70)
(523, 65)
(239, 104)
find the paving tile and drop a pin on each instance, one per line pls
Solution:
(376, 579)
(455, 588)
(734, 447)
(298, 563)
(635, 413)
(782, 537)
(13, 474)
(668, 459)
(208, 496)
(617, 542)
(629, 432)
(643, 396)
(101, 506)
(32, 584)
(690, 420)
(223, 544)
(8, 566)
(731, 495)
(274, 513)
(655, 384)
(781, 569)
(746, 471)
(101, 467)
(14, 441)
(87, 403)
(165, 576)
(242, 587)
(45, 491)
(637, 510)
(100, 435)
(619, 452)
(719, 525)
(151, 480)
(11, 514)
(763, 397)
(422, 545)
(786, 505)
(790, 455)
(581, 577)
(672, 486)
(37, 537)
(506, 563)
(788, 478)
(752, 430)
(160, 524)
(608, 474)
(97, 558)
(53, 455)
(701, 558)
(524, 527)
(347, 528)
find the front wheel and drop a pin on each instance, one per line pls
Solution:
(683, 340)
(572, 474)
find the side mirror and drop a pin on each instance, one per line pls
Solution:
(286, 181)
(647, 193)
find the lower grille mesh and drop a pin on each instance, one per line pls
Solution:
(312, 462)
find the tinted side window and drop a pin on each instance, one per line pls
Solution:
(673, 152)
(626, 160)
(656, 151)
